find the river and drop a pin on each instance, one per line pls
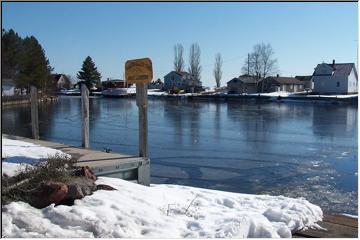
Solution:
(294, 149)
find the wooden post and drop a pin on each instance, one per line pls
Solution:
(85, 115)
(34, 112)
(141, 102)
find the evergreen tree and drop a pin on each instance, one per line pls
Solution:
(89, 73)
(34, 66)
(10, 53)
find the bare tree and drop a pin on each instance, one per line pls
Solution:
(261, 62)
(217, 69)
(194, 63)
(179, 63)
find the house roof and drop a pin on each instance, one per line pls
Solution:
(342, 69)
(114, 80)
(57, 76)
(285, 80)
(304, 78)
(179, 73)
(245, 79)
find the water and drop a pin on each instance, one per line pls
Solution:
(294, 149)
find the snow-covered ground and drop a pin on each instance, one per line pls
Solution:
(155, 92)
(158, 211)
(19, 154)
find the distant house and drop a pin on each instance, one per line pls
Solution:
(61, 81)
(7, 87)
(335, 78)
(276, 84)
(181, 80)
(115, 83)
(242, 84)
(158, 84)
(307, 81)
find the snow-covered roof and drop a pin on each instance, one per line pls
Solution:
(341, 69)
(285, 80)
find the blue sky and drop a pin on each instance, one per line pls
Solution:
(301, 34)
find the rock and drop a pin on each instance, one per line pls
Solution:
(75, 192)
(46, 193)
(87, 172)
(58, 190)
(104, 187)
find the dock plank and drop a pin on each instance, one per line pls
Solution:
(335, 226)
(112, 164)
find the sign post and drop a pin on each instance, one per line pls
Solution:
(139, 71)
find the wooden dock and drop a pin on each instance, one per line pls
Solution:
(337, 226)
(116, 165)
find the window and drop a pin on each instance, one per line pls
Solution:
(338, 84)
(291, 87)
(172, 78)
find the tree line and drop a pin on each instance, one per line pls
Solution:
(24, 61)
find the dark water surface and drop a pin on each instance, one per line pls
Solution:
(294, 149)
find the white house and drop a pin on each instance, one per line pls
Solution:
(181, 80)
(335, 78)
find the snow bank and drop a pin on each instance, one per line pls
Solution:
(19, 154)
(162, 211)
(159, 211)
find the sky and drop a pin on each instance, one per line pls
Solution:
(301, 34)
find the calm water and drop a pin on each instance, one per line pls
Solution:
(294, 149)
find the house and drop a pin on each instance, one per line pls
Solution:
(115, 83)
(242, 84)
(158, 84)
(61, 81)
(276, 84)
(335, 78)
(307, 80)
(181, 80)
(7, 87)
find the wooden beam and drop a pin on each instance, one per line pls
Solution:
(85, 115)
(141, 102)
(34, 112)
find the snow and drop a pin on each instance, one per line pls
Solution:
(19, 154)
(158, 211)
(155, 92)
(349, 215)
(334, 96)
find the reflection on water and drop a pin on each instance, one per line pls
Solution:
(298, 150)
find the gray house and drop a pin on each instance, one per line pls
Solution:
(307, 80)
(181, 80)
(335, 78)
(242, 84)
(276, 84)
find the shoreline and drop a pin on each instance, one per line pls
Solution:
(238, 97)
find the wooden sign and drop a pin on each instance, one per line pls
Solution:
(138, 70)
